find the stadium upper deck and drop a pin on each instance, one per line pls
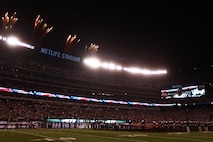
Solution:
(31, 69)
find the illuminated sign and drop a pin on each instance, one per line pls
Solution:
(58, 54)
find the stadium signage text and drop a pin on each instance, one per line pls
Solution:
(59, 54)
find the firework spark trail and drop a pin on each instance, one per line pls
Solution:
(46, 31)
(36, 27)
(9, 22)
(40, 29)
(70, 42)
(13, 20)
(5, 20)
(93, 48)
(67, 40)
(37, 23)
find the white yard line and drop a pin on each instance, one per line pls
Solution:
(101, 136)
(47, 138)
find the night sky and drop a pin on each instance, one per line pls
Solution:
(166, 35)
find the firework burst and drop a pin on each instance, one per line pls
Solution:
(92, 49)
(71, 41)
(8, 22)
(40, 30)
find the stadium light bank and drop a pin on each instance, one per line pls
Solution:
(96, 63)
(92, 62)
(13, 41)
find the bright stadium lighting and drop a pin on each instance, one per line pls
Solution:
(92, 62)
(118, 67)
(96, 63)
(3, 38)
(13, 41)
(112, 66)
(105, 65)
(132, 70)
(144, 71)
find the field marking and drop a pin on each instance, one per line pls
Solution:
(123, 139)
(197, 136)
(47, 138)
(155, 136)
(133, 135)
(175, 133)
(59, 131)
(178, 133)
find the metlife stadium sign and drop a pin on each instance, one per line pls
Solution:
(59, 54)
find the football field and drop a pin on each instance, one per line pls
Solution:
(85, 135)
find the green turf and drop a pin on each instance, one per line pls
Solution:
(83, 135)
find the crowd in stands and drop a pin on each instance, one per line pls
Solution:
(36, 73)
(16, 109)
